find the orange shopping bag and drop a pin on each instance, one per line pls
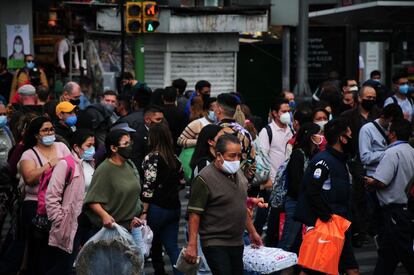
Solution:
(322, 246)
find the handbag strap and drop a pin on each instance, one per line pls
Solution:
(37, 155)
(381, 131)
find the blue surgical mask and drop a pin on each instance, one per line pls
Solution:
(88, 154)
(71, 121)
(377, 80)
(404, 89)
(3, 121)
(48, 140)
(30, 64)
(212, 116)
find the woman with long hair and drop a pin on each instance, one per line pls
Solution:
(64, 200)
(204, 150)
(18, 48)
(305, 147)
(41, 154)
(163, 178)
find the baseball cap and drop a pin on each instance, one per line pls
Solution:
(64, 107)
(26, 89)
(123, 126)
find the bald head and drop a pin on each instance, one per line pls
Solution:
(71, 92)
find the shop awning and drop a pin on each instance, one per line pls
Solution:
(378, 14)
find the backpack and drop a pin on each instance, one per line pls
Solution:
(262, 165)
(40, 221)
(280, 184)
(395, 101)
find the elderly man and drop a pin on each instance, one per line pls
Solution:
(217, 211)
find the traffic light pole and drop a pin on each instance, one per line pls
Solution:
(139, 58)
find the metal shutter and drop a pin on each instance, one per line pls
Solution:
(219, 68)
(154, 69)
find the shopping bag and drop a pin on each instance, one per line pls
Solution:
(322, 246)
(185, 158)
(111, 251)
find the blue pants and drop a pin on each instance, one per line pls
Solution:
(290, 240)
(164, 224)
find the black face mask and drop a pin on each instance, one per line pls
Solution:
(75, 102)
(125, 152)
(368, 104)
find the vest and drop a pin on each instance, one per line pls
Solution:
(224, 219)
(336, 190)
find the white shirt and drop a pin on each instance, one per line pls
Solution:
(405, 105)
(64, 45)
(276, 150)
(88, 171)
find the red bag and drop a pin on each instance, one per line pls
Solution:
(322, 246)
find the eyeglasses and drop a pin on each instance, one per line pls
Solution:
(47, 130)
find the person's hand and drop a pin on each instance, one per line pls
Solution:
(143, 217)
(136, 222)
(190, 254)
(369, 181)
(259, 202)
(53, 161)
(108, 221)
(255, 240)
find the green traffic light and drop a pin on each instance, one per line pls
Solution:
(151, 26)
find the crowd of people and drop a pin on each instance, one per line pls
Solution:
(70, 167)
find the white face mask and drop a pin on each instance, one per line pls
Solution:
(285, 118)
(231, 167)
(353, 89)
(321, 123)
(18, 48)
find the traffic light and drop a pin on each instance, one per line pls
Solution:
(150, 17)
(133, 17)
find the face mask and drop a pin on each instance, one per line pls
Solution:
(71, 120)
(48, 140)
(353, 89)
(125, 152)
(88, 154)
(292, 105)
(18, 48)
(377, 80)
(3, 121)
(285, 118)
(321, 124)
(212, 116)
(404, 89)
(75, 102)
(30, 65)
(109, 107)
(368, 104)
(320, 140)
(231, 167)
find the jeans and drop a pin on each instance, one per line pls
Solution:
(224, 260)
(164, 224)
(291, 229)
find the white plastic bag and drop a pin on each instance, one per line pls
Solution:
(147, 236)
(110, 252)
(266, 260)
(184, 266)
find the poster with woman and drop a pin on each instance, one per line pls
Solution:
(18, 44)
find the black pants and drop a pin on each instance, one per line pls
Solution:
(395, 240)
(224, 260)
(261, 213)
(272, 232)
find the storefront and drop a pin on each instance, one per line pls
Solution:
(380, 36)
